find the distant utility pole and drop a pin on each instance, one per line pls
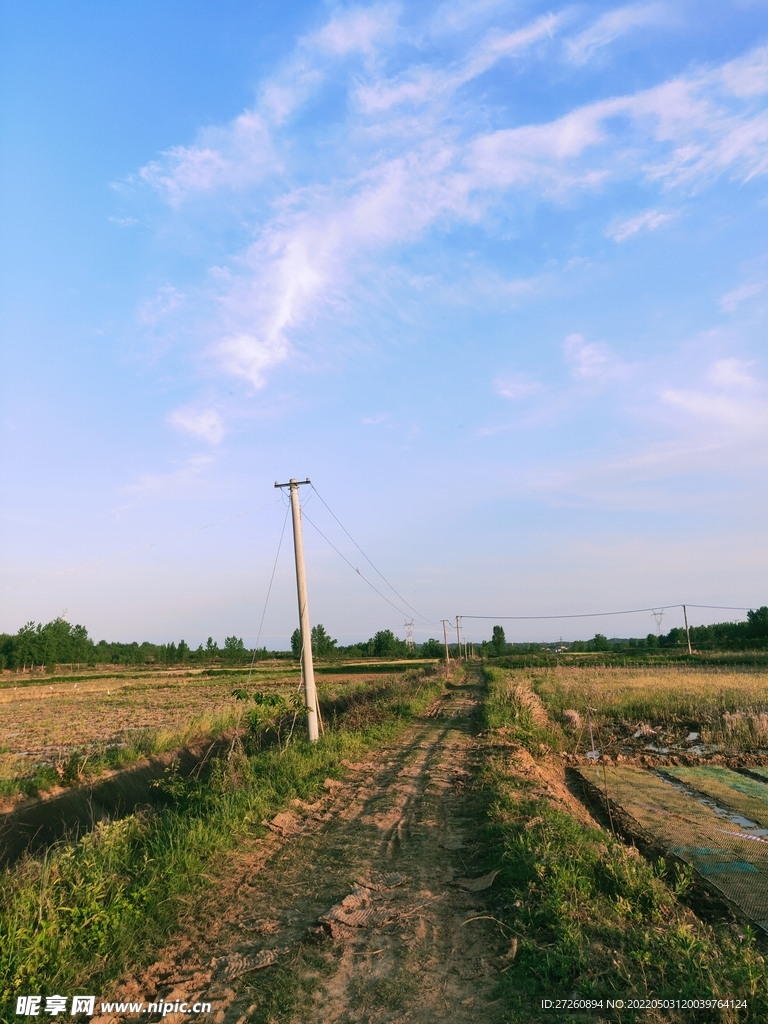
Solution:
(445, 638)
(308, 668)
(687, 631)
(458, 634)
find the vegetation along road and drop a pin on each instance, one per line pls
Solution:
(430, 859)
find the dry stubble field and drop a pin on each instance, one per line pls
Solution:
(42, 723)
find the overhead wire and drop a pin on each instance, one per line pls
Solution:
(353, 567)
(269, 591)
(142, 547)
(424, 618)
(594, 615)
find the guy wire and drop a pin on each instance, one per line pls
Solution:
(266, 601)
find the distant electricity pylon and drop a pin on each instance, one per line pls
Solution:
(659, 617)
(409, 635)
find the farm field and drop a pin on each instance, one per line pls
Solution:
(114, 718)
(445, 852)
(685, 709)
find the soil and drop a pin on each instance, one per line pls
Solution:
(46, 722)
(373, 904)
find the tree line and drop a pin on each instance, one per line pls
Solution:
(751, 634)
(383, 644)
(61, 643)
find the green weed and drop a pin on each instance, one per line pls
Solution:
(587, 916)
(81, 914)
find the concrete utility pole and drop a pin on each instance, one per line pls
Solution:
(445, 638)
(308, 668)
(687, 631)
(458, 634)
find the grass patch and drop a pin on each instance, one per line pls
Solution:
(513, 706)
(76, 918)
(586, 916)
(727, 707)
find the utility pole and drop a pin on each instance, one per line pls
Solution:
(445, 638)
(458, 634)
(308, 668)
(687, 631)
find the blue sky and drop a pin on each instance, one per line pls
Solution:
(494, 275)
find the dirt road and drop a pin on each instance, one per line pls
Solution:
(370, 905)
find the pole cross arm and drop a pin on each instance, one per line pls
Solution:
(298, 483)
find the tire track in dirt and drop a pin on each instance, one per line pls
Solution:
(367, 900)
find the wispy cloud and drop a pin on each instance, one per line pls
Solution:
(731, 301)
(621, 230)
(236, 156)
(593, 362)
(404, 163)
(426, 83)
(167, 300)
(735, 399)
(203, 423)
(517, 385)
(614, 24)
(186, 475)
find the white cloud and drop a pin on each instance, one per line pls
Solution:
(731, 301)
(614, 24)
(236, 156)
(357, 30)
(172, 483)
(165, 302)
(405, 163)
(425, 83)
(737, 401)
(592, 361)
(650, 220)
(374, 421)
(203, 423)
(517, 385)
(732, 373)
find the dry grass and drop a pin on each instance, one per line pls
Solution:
(727, 707)
(44, 726)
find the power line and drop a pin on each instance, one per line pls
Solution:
(142, 547)
(353, 567)
(269, 591)
(719, 607)
(593, 615)
(424, 618)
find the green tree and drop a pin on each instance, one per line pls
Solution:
(296, 642)
(234, 648)
(322, 643)
(211, 647)
(432, 649)
(652, 641)
(387, 645)
(757, 623)
(600, 642)
(498, 642)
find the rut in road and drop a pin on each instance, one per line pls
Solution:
(369, 905)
